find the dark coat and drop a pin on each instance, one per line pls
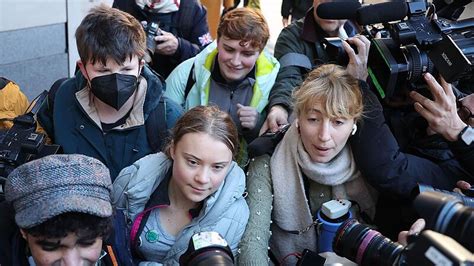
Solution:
(12, 245)
(301, 37)
(296, 8)
(188, 24)
(72, 128)
(381, 160)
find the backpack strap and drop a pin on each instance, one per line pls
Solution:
(52, 92)
(189, 83)
(156, 126)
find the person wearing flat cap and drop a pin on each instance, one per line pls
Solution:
(57, 212)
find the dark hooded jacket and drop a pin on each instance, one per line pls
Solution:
(77, 130)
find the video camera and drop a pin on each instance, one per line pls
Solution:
(443, 213)
(415, 45)
(21, 143)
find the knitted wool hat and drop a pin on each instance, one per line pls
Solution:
(44, 188)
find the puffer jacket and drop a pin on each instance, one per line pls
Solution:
(12, 102)
(266, 69)
(225, 211)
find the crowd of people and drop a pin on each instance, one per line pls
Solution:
(155, 152)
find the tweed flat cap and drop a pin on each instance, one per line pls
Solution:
(44, 188)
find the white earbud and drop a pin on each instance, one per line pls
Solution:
(354, 129)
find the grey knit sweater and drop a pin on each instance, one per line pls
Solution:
(255, 243)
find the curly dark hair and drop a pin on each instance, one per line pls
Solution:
(82, 224)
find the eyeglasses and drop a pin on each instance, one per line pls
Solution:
(464, 113)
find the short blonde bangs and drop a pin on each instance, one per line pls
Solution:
(336, 90)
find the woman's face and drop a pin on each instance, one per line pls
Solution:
(323, 138)
(200, 165)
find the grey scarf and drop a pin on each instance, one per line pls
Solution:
(290, 208)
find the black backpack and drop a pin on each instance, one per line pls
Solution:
(152, 124)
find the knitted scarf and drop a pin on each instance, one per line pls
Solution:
(290, 208)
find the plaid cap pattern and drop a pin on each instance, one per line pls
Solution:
(44, 188)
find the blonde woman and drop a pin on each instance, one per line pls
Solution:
(312, 164)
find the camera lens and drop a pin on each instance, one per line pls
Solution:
(417, 62)
(364, 245)
(447, 215)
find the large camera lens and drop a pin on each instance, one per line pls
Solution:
(447, 215)
(466, 201)
(417, 62)
(364, 245)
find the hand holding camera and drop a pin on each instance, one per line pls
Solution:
(358, 57)
(158, 40)
(167, 43)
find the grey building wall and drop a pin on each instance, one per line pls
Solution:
(34, 57)
(37, 44)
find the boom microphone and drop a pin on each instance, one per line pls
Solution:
(381, 13)
(338, 10)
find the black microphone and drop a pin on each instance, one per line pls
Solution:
(381, 13)
(338, 10)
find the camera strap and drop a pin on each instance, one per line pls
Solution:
(316, 223)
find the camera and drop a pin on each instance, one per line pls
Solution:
(207, 248)
(419, 45)
(466, 200)
(335, 50)
(413, 46)
(152, 30)
(366, 246)
(446, 214)
(21, 143)
(448, 221)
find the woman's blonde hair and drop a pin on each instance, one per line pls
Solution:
(334, 88)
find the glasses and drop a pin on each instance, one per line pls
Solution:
(464, 113)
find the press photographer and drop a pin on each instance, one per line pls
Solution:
(182, 29)
(396, 147)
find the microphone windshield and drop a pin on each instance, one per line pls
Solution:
(381, 13)
(338, 10)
